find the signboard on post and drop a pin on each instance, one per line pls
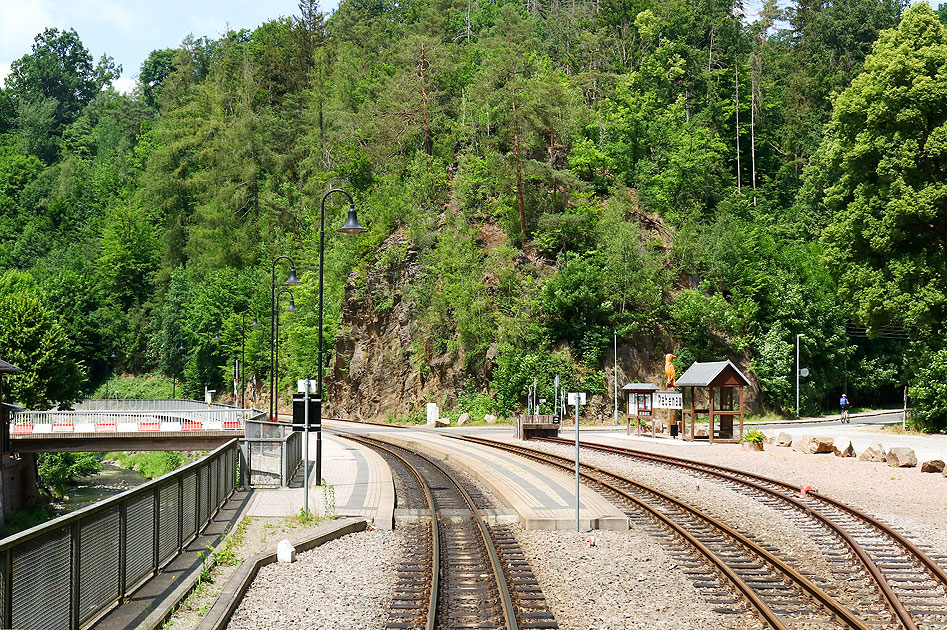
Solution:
(433, 413)
(668, 400)
(576, 398)
(301, 386)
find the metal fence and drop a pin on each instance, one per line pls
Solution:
(67, 572)
(147, 404)
(273, 453)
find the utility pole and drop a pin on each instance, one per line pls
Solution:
(798, 337)
(615, 372)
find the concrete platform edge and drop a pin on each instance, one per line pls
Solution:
(233, 591)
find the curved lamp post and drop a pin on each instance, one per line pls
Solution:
(289, 309)
(291, 281)
(243, 351)
(352, 227)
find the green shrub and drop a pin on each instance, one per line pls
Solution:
(57, 471)
(752, 436)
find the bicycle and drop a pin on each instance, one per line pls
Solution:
(844, 416)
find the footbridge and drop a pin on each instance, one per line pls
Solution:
(129, 425)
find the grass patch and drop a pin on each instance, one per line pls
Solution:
(24, 518)
(151, 464)
(140, 386)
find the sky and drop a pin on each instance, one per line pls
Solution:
(128, 30)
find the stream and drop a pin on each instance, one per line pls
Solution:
(88, 490)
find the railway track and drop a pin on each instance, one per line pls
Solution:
(458, 572)
(742, 571)
(914, 582)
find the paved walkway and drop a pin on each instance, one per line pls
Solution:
(543, 498)
(359, 479)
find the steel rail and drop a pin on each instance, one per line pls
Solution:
(435, 533)
(769, 616)
(509, 613)
(756, 481)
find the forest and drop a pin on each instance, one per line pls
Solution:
(688, 176)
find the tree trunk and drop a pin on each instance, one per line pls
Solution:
(519, 176)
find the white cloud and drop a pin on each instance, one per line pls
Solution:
(19, 23)
(125, 84)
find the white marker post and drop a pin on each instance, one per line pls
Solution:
(304, 386)
(577, 398)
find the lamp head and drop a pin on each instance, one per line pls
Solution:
(292, 305)
(352, 226)
(216, 336)
(292, 280)
(255, 323)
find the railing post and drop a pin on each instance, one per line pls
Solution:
(284, 463)
(156, 536)
(8, 589)
(180, 514)
(74, 539)
(122, 546)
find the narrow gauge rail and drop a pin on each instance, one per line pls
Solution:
(779, 594)
(914, 583)
(467, 585)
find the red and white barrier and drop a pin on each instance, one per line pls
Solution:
(149, 426)
(22, 428)
(192, 425)
(64, 427)
(106, 427)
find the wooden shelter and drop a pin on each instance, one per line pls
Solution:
(640, 403)
(713, 390)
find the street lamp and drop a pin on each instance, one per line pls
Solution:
(352, 226)
(289, 309)
(291, 281)
(243, 351)
(798, 337)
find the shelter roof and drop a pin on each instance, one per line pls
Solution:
(640, 387)
(704, 374)
(8, 368)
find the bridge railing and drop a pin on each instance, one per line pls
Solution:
(272, 452)
(68, 572)
(133, 415)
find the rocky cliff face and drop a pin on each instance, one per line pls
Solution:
(377, 368)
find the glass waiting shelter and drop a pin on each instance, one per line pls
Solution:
(640, 403)
(713, 392)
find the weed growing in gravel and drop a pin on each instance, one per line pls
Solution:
(328, 499)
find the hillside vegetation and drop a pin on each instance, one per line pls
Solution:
(534, 176)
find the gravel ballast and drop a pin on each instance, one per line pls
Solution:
(345, 583)
(628, 580)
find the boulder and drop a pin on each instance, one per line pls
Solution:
(844, 448)
(441, 422)
(700, 431)
(902, 457)
(811, 444)
(490, 418)
(783, 439)
(770, 435)
(933, 466)
(463, 419)
(874, 453)
(285, 552)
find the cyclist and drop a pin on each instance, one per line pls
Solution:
(845, 405)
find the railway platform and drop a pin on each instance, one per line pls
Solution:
(543, 499)
(360, 482)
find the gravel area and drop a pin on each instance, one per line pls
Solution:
(256, 535)
(913, 502)
(346, 583)
(626, 581)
